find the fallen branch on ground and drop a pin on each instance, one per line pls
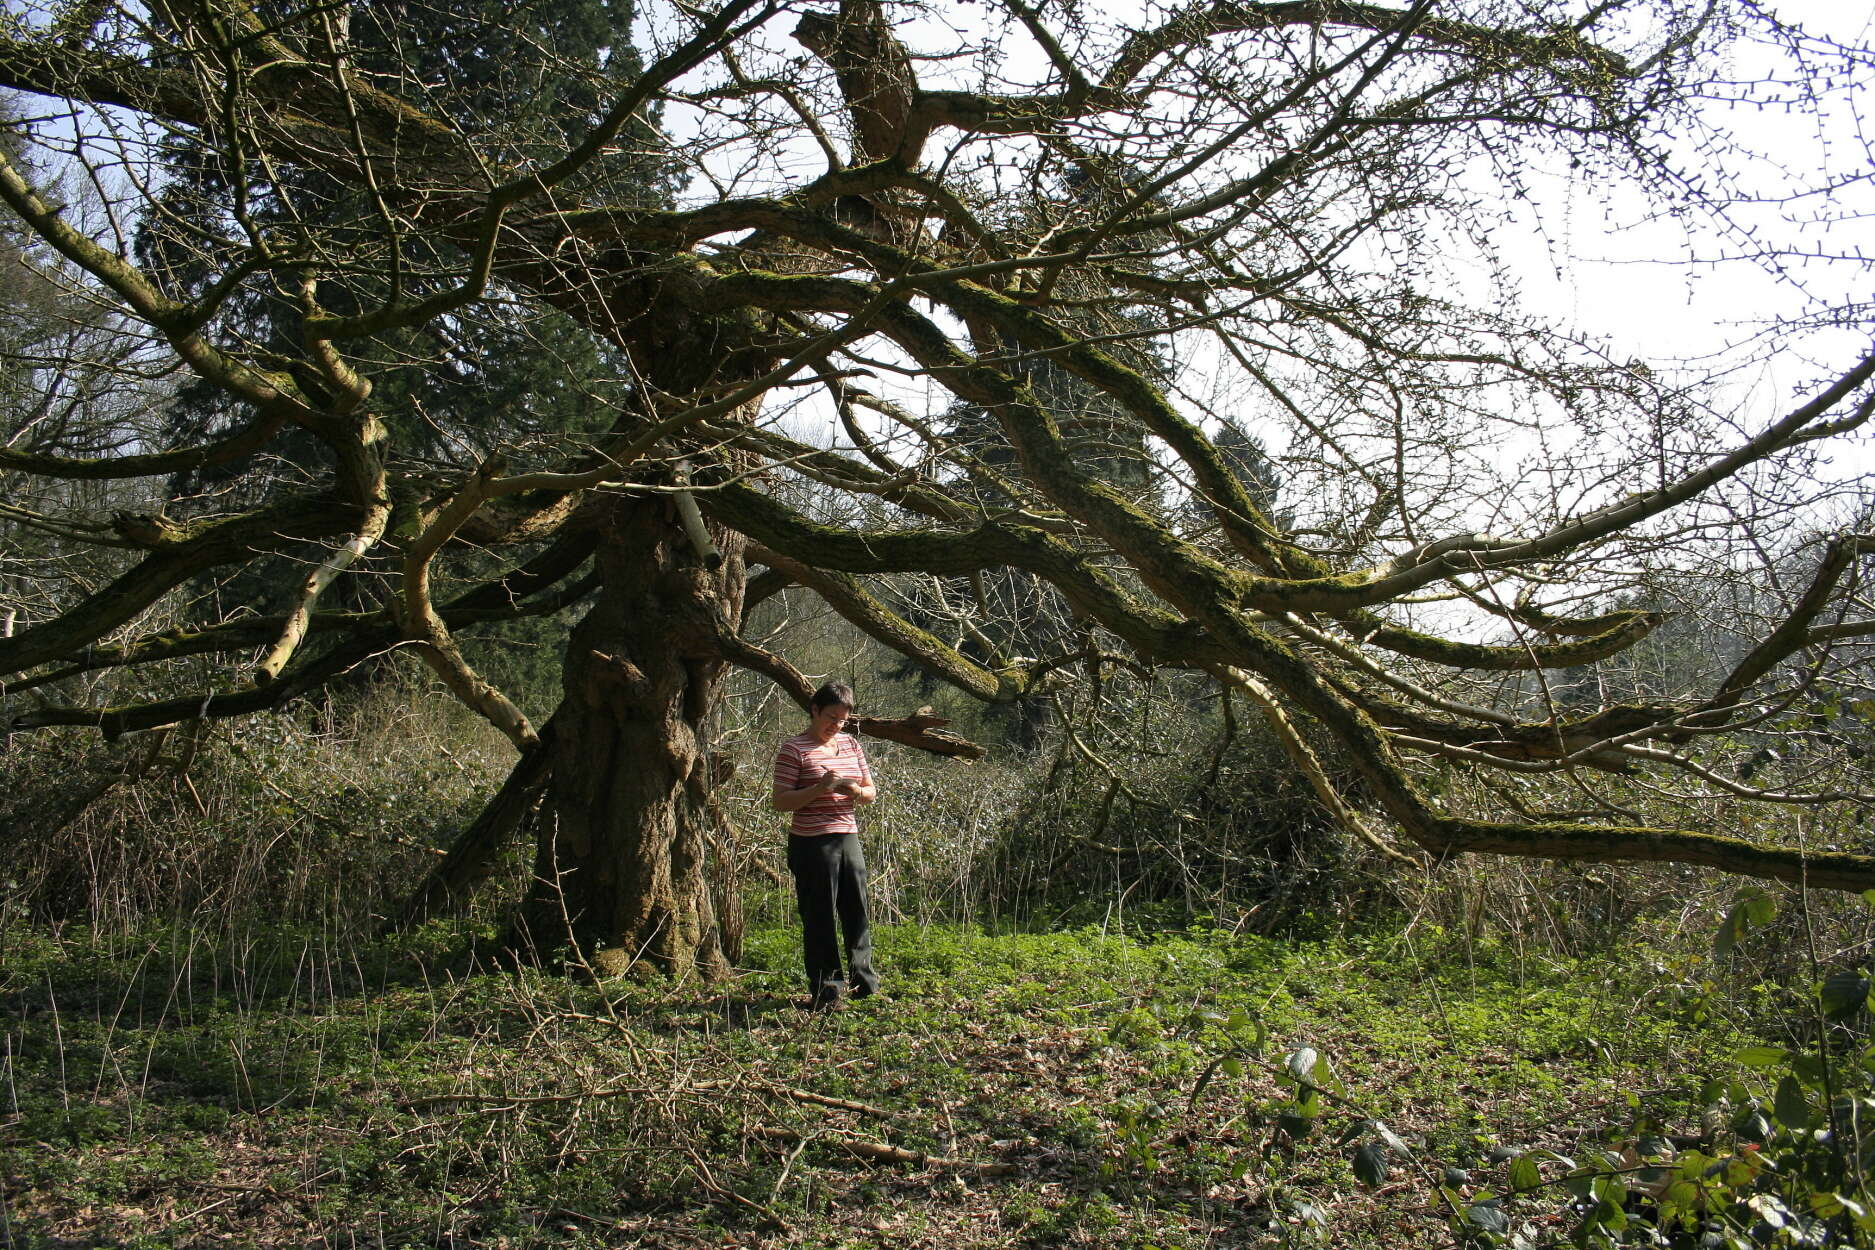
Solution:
(883, 1152)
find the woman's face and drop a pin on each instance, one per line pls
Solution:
(829, 720)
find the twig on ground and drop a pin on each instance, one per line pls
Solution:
(884, 1152)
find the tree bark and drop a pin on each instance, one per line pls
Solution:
(625, 828)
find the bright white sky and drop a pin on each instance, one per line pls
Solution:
(1629, 278)
(1594, 262)
(1598, 262)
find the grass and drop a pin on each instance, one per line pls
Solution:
(1062, 1089)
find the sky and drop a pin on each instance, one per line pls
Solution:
(1603, 266)
(1651, 284)
(1602, 263)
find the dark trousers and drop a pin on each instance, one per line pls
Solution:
(829, 881)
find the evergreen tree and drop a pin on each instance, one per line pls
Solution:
(504, 375)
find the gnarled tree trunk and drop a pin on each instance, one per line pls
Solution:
(625, 829)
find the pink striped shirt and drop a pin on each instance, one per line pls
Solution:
(802, 761)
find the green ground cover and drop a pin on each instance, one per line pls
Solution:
(1075, 1088)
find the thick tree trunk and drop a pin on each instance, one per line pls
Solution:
(625, 829)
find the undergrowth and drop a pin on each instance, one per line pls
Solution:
(298, 1086)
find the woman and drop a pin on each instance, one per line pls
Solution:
(822, 777)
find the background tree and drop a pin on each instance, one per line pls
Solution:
(1468, 491)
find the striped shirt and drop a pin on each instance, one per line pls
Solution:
(802, 761)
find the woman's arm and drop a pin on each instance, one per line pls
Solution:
(784, 800)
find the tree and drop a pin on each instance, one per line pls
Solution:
(1257, 194)
(432, 385)
(70, 380)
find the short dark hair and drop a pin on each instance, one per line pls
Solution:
(831, 693)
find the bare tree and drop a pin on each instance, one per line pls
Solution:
(1182, 233)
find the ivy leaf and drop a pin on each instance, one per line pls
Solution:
(1762, 1056)
(1390, 1139)
(1767, 1208)
(1752, 1125)
(1730, 930)
(1354, 1130)
(1844, 993)
(1681, 1195)
(1370, 1165)
(1308, 1213)
(1297, 1126)
(1751, 909)
(1394, 1141)
(1810, 1069)
(1790, 1104)
(1488, 1216)
(1761, 907)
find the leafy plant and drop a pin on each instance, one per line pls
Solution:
(1786, 1156)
